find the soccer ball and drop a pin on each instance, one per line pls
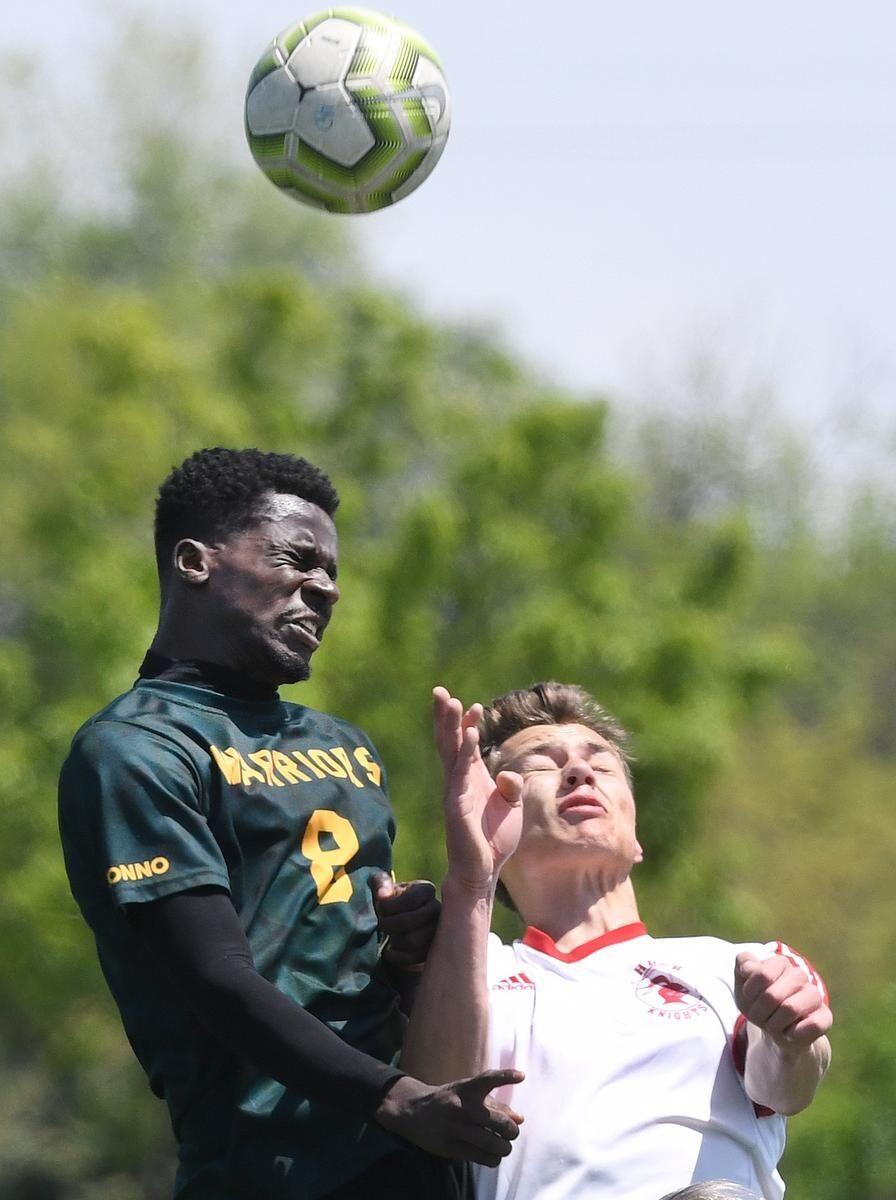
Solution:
(348, 110)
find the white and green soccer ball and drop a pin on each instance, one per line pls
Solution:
(348, 110)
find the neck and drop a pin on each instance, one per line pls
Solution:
(572, 915)
(204, 674)
(185, 634)
(187, 650)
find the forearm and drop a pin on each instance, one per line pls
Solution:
(784, 1077)
(263, 1026)
(447, 1037)
(199, 942)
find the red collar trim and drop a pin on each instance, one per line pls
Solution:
(541, 941)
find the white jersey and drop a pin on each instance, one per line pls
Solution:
(633, 1087)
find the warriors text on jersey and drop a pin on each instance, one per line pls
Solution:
(630, 1047)
(173, 787)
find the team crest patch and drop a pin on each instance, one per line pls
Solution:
(665, 993)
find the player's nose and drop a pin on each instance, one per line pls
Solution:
(577, 771)
(322, 587)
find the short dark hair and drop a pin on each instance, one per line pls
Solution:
(217, 492)
(545, 704)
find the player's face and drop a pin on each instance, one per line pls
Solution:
(576, 795)
(273, 587)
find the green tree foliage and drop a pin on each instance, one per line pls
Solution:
(797, 837)
(490, 538)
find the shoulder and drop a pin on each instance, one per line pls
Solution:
(117, 733)
(120, 744)
(716, 950)
(327, 724)
(710, 953)
(717, 956)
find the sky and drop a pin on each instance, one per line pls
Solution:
(626, 188)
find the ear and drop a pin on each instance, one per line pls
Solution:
(193, 561)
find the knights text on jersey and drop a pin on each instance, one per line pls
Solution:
(632, 1089)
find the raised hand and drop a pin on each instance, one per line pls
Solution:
(408, 914)
(779, 998)
(483, 816)
(455, 1120)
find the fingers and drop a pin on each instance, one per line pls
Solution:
(447, 714)
(516, 1117)
(459, 770)
(472, 717)
(812, 1027)
(510, 785)
(757, 985)
(495, 1126)
(407, 913)
(745, 964)
(412, 931)
(486, 1081)
(450, 722)
(382, 885)
(497, 1120)
(777, 997)
(480, 1146)
(456, 1120)
(403, 898)
(794, 1006)
(467, 750)
(406, 924)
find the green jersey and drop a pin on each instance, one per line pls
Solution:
(174, 787)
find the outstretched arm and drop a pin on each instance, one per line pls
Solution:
(787, 1020)
(448, 1032)
(198, 939)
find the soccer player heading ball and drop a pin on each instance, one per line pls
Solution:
(650, 1063)
(224, 847)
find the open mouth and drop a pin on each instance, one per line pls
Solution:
(307, 631)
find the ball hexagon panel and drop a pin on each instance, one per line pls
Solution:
(271, 105)
(332, 124)
(326, 53)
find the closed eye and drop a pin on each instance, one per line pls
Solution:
(539, 764)
(307, 560)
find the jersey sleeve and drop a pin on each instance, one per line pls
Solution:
(131, 818)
